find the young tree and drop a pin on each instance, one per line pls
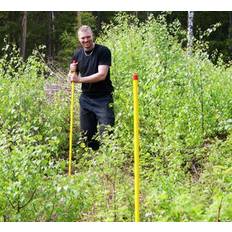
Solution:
(190, 32)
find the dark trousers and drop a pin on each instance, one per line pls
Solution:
(94, 112)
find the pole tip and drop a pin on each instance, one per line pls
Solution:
(135, 76)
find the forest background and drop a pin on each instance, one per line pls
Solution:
(57, 30)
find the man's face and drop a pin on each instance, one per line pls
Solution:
(86, 39)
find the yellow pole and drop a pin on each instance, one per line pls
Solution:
(136, 147)
(71, 130)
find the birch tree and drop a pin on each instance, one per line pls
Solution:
(190, 32)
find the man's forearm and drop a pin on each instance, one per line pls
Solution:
(92, 78)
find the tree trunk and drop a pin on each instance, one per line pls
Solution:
(24, 34)
(230, 32)
(51, 31)
(190, 32)
(78, 19)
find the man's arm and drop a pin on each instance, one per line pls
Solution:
(96, 77)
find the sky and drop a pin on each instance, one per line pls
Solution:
(115, 5)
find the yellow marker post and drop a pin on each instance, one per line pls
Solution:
(71, 129)
(136, 147)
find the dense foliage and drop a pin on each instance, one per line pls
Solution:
(185, 130)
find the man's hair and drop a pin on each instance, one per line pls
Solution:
(84, 28)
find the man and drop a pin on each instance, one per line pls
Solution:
(91, 67)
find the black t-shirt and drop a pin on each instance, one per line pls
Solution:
(88, 65)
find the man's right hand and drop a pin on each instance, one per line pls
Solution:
(73, 67)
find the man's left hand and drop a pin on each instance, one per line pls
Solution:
(75, 78)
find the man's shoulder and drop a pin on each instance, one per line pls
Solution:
(102, 47)
(78, 51)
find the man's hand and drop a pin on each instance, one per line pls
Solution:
(73, 67)
(73, 76)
